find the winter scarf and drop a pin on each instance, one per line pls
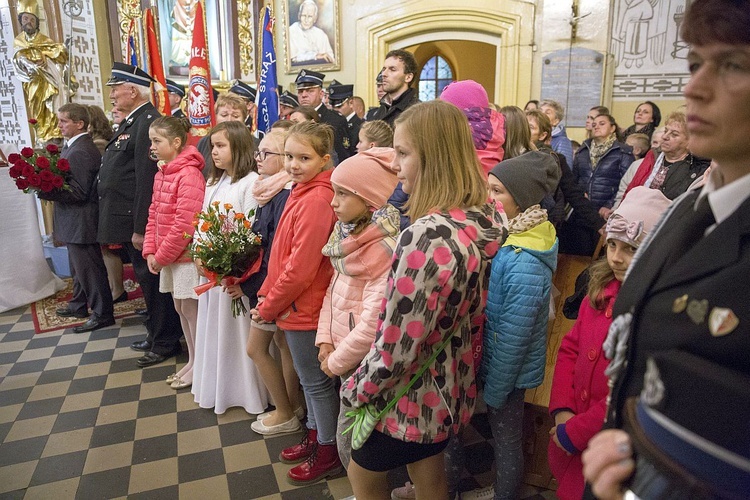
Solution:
(265, 189)
(596, 151)
(529, 218)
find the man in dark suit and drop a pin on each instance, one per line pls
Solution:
(380, 94)
(310, 93)
(287, 103)
(126, 180)
(680, 338)
(176, 95)
(340, 96)
(76, 221)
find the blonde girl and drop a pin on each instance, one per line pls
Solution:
(224, 376)
(434, 292)
(177, 196)
(376, 133)
(292, 293)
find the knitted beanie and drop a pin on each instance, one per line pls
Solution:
(465, 94)
(528, 177)
(637, 215)
(368, 175)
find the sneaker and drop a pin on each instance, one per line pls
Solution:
(487, 493)
(291, 425)
(322, 463)
(405, 492)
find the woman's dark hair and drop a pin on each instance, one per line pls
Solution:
(655, 113)
(717, 21)
(99, 126)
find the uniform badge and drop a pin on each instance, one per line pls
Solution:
(722, 321)
(680, 303)
(121, 137)
(345, 141)
(696, 310)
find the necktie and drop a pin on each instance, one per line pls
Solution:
(65, 147)
(690, 230)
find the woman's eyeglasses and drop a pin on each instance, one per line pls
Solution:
(261, 155)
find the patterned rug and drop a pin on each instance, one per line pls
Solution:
(43, 311)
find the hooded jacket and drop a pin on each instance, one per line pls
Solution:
(298, 273)
(436, 288)
(349, 315)
(515, 338)
(179, 187)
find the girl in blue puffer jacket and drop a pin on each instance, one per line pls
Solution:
(518, 306)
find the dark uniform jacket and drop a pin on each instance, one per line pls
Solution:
(353, 127)
(674, 310)
(126, 179)
(340, 131)
(77, 210)
(390, 113)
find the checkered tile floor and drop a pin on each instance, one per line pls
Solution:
(79, 419)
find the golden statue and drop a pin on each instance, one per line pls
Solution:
(40, 63)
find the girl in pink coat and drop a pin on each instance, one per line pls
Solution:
(178, 195)
(578, 401)
(361, 250)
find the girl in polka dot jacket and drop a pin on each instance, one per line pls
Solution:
(436, 288)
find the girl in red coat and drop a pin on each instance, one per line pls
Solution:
(293, 291)
(579, 388)
(178, 195)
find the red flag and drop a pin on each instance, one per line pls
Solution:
(200, 95)
(160, 95)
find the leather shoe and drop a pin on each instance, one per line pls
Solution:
(94, 323)
(121, 298)
(152, 358)
(142, 312)
(67, 312)
(141, 345)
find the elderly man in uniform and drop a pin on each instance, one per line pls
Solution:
(310, 93)
(126, 180)
(176, 95)
(340, 96)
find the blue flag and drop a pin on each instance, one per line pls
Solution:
(268, 96)
(133, 57)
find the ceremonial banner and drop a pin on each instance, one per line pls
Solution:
(160, 96)
(200, 96)
(268, 96)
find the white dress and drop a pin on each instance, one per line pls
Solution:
(223, 374)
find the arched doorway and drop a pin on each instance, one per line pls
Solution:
(448, 25)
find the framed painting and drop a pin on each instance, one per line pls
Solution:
(311, 35)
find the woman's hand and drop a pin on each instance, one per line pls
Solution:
(608, 463)
(605, 212)
(553, 433)
(153, 266)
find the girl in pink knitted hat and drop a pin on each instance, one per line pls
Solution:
(579, 387)
(361, 250)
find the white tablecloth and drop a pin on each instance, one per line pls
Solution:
(25, 276)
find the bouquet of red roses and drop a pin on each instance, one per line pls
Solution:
(227, 248)
(40, 170)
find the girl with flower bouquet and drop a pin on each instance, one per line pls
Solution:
(177, 196)
(223, 376)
